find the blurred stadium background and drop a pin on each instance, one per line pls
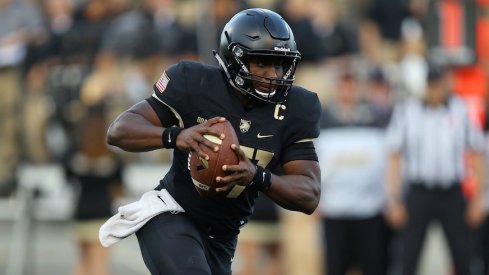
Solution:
(61, 59)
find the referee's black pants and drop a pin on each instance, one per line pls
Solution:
(447, 206)
(355, 242)
(480, 245)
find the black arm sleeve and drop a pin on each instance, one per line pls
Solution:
(299, 151)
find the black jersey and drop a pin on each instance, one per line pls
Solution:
(269, 134)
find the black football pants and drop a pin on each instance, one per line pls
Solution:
(171, 244)
(446, 206)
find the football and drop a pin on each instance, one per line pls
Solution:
(204, 172)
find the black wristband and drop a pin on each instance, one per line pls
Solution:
(169, 137)
(262, 179)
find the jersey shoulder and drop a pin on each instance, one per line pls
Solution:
(303, 103)
(185, 80)
(303, 112)
(194, 76)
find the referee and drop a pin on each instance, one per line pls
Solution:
(427, 141)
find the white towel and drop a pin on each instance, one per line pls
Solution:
(133, 216)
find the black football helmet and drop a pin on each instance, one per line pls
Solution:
(263, 33)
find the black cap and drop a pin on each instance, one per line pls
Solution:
(435, 72)
(376, 75)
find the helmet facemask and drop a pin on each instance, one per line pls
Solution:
(271, 90)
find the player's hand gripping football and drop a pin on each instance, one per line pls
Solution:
(240, 174)
(191, 139)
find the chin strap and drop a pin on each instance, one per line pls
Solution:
(226, 72)
(221, 64)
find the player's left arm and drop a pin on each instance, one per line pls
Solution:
(299, 189)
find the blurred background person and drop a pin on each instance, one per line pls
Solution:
(352, 158)
(299, 18)
(480, 240)
(380, 96)
(347, 106)
(96, 173)
(388, 16)
(334, 40)
(19, 26)
(428, 139)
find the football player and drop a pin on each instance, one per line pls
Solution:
(275, 123)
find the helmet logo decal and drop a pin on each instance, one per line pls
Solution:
(291, 69)
(283, 49)
(244, 125)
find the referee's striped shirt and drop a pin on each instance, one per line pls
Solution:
(433, 140)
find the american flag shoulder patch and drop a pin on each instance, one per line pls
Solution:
(162, 82)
